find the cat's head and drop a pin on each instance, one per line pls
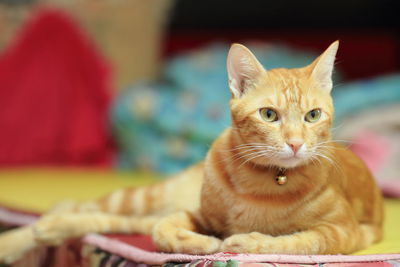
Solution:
(282, 116)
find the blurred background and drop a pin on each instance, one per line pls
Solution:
(106, 90)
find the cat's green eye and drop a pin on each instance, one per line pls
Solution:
(313, 115)
(268, 114)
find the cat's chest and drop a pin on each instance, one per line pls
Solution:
(261, 216)
(229, 212)
(251, 201)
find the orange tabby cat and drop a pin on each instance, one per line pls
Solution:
(274, 182)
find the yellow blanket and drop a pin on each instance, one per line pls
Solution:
(38, 189)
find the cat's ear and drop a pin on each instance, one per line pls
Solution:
(243, 69)
(323, 67)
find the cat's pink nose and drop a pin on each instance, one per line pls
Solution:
(295, 146)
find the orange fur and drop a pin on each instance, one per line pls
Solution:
(231, 202)
(321, 209)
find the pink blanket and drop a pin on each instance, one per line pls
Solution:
(138, 255)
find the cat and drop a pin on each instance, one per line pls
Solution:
(273, 182)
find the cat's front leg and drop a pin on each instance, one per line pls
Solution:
(179, 233)
(53, 229)
(323, 239)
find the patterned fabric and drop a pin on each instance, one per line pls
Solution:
(105, 259)
(107, 251)
(102, 259)
(234, 263)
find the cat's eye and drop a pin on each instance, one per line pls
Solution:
(313, 115)
(268, 114)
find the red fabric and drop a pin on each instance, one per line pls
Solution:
(54, 96)
(140, 241)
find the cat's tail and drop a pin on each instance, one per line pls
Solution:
(179, 192)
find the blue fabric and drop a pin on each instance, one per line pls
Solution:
(357, 96)
(170, 124)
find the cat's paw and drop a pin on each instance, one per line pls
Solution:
(170, 238)
(247, 243)
(185, 241)
(53, 229)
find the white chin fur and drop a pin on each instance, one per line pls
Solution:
(287, 158)
(289, 162)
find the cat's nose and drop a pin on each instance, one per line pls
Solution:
(295, 145)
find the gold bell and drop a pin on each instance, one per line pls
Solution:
(281, 179)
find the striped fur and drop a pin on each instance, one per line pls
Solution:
(330, 203)
(158, 199)
(231, 202)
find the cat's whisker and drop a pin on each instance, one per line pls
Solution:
(251, 158)
(343, 141)
(334, 141)
(315, 157)
(348, 143)
(267, 153)
(334, 129)
(246, 153)
(249, 146)
(252, 150)
(313, 160)
(330, 160)
(253, 153)
(259, 150)
(328, 147)
(254, 157)
(325, 157)
(249, 150)
(244, 149)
